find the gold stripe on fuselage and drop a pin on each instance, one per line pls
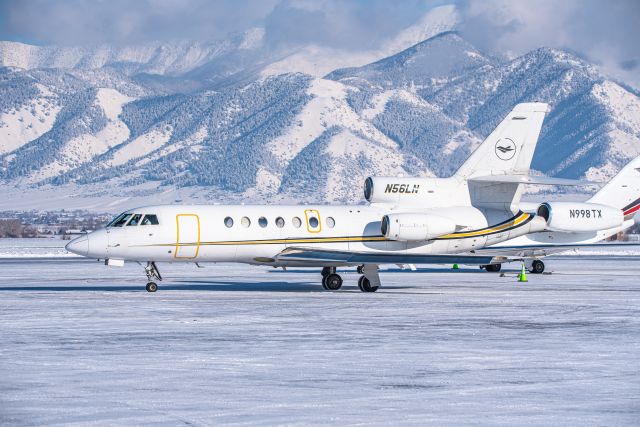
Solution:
(479, 233)
(514, 223)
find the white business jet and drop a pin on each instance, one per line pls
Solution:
(572, 225)
(407, 220)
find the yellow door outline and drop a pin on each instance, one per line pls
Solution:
(175, 255)
(308, 212)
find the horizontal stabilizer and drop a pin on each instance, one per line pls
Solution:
(527, 179)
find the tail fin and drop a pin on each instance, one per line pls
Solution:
(623, 191)
(507, 151)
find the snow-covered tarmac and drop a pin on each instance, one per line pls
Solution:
(81, 343)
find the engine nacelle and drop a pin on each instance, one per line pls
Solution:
(380, 189)
(413, 227)
(578, 217)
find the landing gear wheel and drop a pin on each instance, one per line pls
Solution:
(324, 283)
(152, 287)
(537, 267)
(332, 282)
(365, 285)
(494, 268)
(327, 271)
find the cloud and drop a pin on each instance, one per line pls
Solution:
(606, 32)
(356, 24)
(84, 22)
(336, 23)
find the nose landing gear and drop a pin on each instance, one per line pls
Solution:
(152, 274)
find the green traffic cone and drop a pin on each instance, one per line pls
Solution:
(522, 277)
(455, 266)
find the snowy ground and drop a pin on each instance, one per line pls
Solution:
(81, 343)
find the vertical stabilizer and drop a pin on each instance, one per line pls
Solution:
(507, 151)
(623, 191)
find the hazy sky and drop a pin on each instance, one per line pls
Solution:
(605, 31)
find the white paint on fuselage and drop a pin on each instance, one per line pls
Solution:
(218, 243)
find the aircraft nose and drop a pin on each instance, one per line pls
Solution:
(79, 245)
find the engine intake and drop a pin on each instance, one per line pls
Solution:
(413, 227)
(579, 217)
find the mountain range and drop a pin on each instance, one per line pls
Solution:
(238, 121)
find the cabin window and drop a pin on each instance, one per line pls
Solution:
(228, 221)
(135, 220)
(246, 222)
(279, 222)
(122, 220)
(297, 222)
(330, 222)
(262, 221)
(149, 220)
(313, 222)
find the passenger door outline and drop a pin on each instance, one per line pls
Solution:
(183, 247)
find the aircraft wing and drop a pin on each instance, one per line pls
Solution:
(528, 251)
(326, 257)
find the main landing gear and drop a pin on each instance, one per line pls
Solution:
(330, 280)
(537, 267)
(152, 274)
(368, 282)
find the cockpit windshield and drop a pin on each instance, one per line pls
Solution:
(114, 220)
(121, 220)
(133, 219)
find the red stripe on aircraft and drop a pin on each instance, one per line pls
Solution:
(632, 210)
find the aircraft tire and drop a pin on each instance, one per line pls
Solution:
(151, 287)
(365, 285)
(494, 268)
(332, 282)
(537, 267)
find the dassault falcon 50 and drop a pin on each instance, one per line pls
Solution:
(407, 220)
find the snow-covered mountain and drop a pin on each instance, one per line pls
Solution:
(224, 121)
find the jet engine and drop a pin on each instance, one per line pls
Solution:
(413, 227)
(379, 189)
(578, 217)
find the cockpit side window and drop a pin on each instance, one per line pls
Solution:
(149, 220)
(122, 220)
(135, 220)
